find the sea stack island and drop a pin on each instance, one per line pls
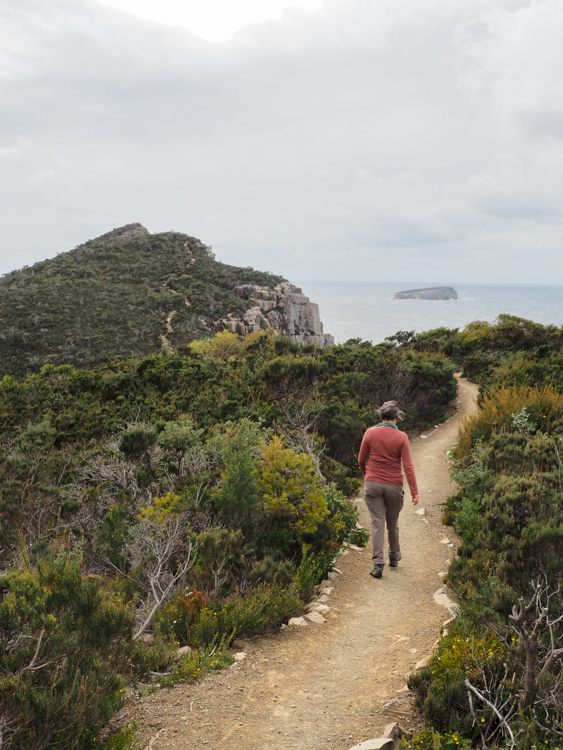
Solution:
(435, 292)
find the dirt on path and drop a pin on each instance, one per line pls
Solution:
(338, 683)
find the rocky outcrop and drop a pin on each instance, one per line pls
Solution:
(284, 308)
(134, 230)
(436, 292)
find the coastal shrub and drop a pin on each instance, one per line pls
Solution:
(340, 525)
(123, 740)
(467, 651)
(220, 552)
(429, 739)
(192, 667)
(291, 491)
(262, 609)
(544, 407)
(66, 654)
(508, 507)
(236, 446)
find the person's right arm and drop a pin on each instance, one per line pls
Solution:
(409, 470)
(363, 455)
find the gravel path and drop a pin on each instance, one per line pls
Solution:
(338, 683)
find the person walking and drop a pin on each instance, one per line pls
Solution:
(383, 450)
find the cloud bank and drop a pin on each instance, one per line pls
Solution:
(420, 140)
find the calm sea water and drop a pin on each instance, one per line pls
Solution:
(368, 310)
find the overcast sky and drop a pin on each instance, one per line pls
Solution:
(339, 140)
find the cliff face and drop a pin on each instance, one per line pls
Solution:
(284, 308)
(436, 292)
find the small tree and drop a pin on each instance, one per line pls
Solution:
(293, 385)
(237, 452)
(160, 549)
(290, 487)
(178, 438)
(218, 550)
(528, 693)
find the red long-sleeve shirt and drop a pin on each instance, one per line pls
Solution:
(384, 448)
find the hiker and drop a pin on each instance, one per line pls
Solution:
(383, 448)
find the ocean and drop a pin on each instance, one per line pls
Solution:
(368, 311)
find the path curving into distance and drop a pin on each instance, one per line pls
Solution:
(332, 685)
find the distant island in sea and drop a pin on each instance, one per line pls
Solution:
(435, 292)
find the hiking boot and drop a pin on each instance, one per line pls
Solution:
(394, 560)
(377, 571)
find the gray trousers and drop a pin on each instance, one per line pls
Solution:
(385, 502)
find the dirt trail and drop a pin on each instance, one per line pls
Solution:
(335, 684)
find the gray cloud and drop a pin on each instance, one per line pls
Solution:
(373, 139)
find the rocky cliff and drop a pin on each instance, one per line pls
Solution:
(436, 292)
(284, 308)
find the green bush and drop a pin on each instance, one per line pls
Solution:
(261, 609)
(466, 651)
(429, 739)
(125, 740)
(65, 657)
(194, 666)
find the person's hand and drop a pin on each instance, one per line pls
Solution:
(415, 499)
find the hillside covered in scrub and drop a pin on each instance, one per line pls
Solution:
(129, 292)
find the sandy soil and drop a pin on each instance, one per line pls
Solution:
(335, 684)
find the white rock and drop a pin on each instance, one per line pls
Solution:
(381, 743)
(424, 437)
(297, 621)
(324, 584)
(441, 598)
(326, 590)
(335, 570)
(442, 574)
(423, 662)
(355, 547)
(184, 651)
(394, 731)
(315, 617)
(331, 576)
(421, 512)
(240, 655)
(318, 607)
(323, 598)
